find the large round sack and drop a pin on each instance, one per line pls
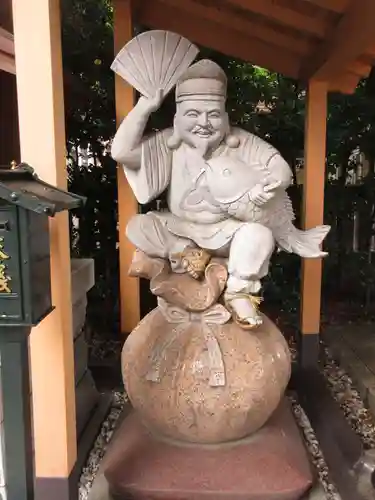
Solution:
(195, 378)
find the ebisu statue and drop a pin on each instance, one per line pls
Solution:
(226, 187)
(206, 365)
(206, 368)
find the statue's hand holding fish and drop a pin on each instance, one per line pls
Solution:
(263, 192)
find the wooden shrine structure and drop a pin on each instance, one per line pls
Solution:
(329, 44)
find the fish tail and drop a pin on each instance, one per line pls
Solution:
(306, 244)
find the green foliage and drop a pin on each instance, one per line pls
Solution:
(90, 123)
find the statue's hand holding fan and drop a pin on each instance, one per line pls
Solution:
(153, 62)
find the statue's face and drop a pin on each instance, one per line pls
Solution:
(202, 124)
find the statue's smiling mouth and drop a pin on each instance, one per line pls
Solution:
(203, 132)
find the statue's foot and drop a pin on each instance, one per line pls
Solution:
(244, 309)
(195, 261)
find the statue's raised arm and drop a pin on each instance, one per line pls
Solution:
(127, 143)
(152, 63)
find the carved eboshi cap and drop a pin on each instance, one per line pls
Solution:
(203, 80)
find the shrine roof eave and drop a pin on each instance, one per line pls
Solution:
(327, 40)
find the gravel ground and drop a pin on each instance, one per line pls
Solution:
(316, 455)
(345, 393)
(342, 388)
(100, 445)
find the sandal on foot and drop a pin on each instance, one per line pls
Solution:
(243, 321)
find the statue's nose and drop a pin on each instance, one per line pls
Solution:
(203, 119)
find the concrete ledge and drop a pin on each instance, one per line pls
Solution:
(80, 357)
(83, 277)
(79, 315)
(91, 432)
(100, 489)
(87, 398)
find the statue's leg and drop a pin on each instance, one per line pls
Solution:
(149, 233)
(249, 256)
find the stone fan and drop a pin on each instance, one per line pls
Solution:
(154, 59)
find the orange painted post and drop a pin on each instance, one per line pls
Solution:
(42, 143)
(313, 212)
(127, 204)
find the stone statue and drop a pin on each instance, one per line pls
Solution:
(205, 370)
(226, 190)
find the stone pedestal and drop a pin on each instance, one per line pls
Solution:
(272, 464)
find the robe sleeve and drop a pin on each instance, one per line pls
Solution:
(255, 150)
(153, 176)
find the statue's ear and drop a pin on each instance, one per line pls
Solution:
(174, 140)
(232, 141)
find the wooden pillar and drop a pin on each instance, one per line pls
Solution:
(42, 142)
(313, 212)
(9, 140)
(127, 204)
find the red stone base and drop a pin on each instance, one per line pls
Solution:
(270, 465)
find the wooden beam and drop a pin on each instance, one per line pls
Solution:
(42, 141)
(7, 60)
(6, 19)
(220, 15)
(156, 14)
(127, 204)
(7, 63)
(361, 67)
(370, 52)
(346, 83)
(6, 42)
(332, 5)
(352, 38)
(313, 200)
(284, 15)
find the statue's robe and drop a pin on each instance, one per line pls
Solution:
(203, 200)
